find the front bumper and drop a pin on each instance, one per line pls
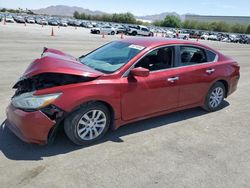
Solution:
(31, 127)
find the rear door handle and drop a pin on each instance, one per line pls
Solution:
(173, 79)
(210, 71)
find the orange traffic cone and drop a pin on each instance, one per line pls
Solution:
(122, 36)
(52, 32)
(103, 36)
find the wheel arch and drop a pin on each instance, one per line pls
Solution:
(108, 105)
(60, 124)
(225, 83)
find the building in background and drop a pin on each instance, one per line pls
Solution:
(227, 19)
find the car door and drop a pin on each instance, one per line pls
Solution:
(196, 73)
(144, 31)
(143, 96)
(104, 30)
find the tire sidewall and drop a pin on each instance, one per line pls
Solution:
(74, 118)
(208, 107)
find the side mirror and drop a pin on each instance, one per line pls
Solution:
(139, 71)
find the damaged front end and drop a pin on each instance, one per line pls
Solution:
(29, 111)
(47, 80)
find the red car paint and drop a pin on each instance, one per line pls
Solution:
(130, 98)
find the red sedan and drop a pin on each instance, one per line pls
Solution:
(118, 83)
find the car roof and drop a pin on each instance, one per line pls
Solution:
(151, 42)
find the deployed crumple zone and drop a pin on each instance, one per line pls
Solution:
(47, 80)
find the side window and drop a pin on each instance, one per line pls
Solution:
(159, 59)
(192, 55)
(144, 29)
(210, 56)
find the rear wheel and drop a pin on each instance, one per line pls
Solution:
(134, 33)
(112, 32)
(97, 32)
(87, 124)
(215, 97)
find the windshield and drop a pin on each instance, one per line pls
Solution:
(111, 57)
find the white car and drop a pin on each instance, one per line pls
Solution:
(9, 19)
(169, 34)
(204, 36)
(108, 30)
(212, 37)
(139, 30)
(181, 35)
(30, 20)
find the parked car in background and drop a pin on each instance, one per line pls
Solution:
(19, 19)
(63, 23)
(213, 37)
(139, 30)
(204, 36)
(30, 20)
(195, 34)
(119, 83)
(9, 19)
(108, 30)
(120, 29)
(53, 22)
(181, 35)
(86, 25)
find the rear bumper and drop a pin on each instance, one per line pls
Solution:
(233, 85)
(31, 127)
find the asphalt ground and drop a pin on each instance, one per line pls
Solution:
(190, 148)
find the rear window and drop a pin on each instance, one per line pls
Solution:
(192, 55)
(210, 56)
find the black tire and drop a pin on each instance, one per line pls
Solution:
(134, 33)
(207, 106)
(112, 32)
(71, 122)
(97, 32)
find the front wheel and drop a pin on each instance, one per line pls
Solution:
(88, 124)
(112, 32)
(215, 97)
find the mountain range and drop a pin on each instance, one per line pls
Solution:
(62, 10)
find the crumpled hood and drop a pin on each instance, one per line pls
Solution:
(55, 61)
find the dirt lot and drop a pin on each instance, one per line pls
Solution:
(190, 148)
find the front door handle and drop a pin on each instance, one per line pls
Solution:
(210, 71)
(173, 79)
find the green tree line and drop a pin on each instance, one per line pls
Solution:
(16, 11)
(116, 17)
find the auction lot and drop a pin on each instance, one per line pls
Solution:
(190, 148)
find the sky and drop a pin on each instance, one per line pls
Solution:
(144, 7)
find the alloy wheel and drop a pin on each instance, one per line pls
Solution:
(91, 124)
(216, 97)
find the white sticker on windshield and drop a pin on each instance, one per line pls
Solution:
(137, 47)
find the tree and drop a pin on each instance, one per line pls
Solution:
(172, 21)
(238, 28)
(76, 15)
(248, 29)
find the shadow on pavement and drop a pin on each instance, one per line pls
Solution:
(15, 149)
